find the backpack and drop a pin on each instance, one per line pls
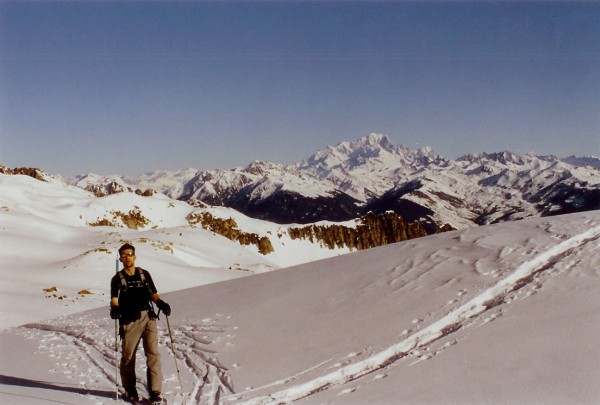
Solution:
(151, 312)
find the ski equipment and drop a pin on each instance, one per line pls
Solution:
(117, 345)
(174, 355)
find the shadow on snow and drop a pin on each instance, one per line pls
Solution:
(23, 382)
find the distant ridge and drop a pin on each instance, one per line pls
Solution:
(372, 174)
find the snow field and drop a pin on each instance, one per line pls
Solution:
(487, 315)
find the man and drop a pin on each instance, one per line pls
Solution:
(132, 291)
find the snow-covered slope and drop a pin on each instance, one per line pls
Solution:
(496, 314)
(348, 180)
(62, 237)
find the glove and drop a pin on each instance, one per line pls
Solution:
(115, 313)
(163, 306)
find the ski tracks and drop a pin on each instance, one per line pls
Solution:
(419, 343)
(211, 378)
(82, 347)
(83, 350)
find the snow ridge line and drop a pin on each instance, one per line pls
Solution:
(443, 327)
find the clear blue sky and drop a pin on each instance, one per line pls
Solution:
(127, 87)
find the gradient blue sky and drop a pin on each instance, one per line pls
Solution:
(128, 87)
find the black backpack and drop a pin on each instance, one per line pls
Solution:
(151, 311)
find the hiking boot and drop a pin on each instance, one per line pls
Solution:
(156, 398)
(131, 396)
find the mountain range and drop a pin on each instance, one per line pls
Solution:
(425, 321)
(372, 174)
(490, 315)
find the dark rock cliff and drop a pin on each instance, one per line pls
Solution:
(229, 229)
(373, 230)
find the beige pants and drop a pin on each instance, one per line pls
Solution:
(143, 329)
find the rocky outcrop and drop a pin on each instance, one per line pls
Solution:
(134, 219)
(445, 228)
(229, 229)
(567, 197)
(373, 230)
(102, 190)
(27, 171)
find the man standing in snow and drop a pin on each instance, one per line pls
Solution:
(132, 292)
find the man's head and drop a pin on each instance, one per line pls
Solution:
(125, 247)
(127, 255)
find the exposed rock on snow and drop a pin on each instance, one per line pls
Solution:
(229, 229)
(370, 231)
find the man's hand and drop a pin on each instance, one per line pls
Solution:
(163, 306)
(115, 312)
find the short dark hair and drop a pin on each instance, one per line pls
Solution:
(125, 247)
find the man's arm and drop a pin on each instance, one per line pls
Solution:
(154, 297)
(163, 306)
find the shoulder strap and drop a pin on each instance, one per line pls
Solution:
(143, 278)
(141, 273)
(123, 281)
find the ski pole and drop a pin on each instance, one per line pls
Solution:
(117, 346)
(174, 355)
(117, 359)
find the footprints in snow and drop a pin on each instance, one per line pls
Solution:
(82, 349)
(427, 342)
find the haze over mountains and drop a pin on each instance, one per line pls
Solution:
(372, 174)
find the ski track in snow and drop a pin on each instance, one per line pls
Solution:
(83, 346)
(211, 378)
(419, 343)
(84, 351)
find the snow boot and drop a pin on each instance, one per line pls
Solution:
(131, 396)
(156, 398)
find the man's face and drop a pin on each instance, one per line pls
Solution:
(127, 257)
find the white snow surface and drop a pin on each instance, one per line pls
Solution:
(497, 314)
(46, 237)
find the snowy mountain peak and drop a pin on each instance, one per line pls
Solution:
(369, 152)
(504, 158)
(333, 155)
(260, 167)
(372, 174)
(374, 140)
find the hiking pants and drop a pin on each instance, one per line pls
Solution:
(143, 329)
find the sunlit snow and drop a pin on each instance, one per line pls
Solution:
(500, 314)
